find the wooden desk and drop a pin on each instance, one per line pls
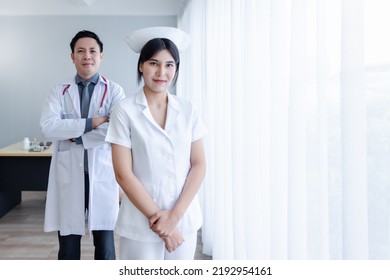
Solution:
(21, 171)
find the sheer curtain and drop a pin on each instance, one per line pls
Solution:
(281, 85)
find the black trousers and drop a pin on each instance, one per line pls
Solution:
(103, 240)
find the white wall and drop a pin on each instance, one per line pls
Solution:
(35, 55)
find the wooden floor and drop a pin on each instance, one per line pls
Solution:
(22, 236)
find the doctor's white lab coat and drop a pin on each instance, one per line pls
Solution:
(60, 121)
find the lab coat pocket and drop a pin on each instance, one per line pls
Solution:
(104, 169)
(63, 167)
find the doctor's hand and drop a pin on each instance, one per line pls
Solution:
(96, 121)
(174, 240)
(163, 222)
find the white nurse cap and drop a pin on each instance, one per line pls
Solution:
(137, 39)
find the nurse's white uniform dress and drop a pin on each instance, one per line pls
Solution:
(161, 160)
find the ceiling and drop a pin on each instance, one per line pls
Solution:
(91, 7)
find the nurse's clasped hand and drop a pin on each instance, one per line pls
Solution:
(174, 240)
(164, 222)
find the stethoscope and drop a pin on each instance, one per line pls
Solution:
(100, 110)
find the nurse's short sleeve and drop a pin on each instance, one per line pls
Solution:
(119, 126)
(198, 127)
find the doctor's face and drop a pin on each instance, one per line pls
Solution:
(158, 72)
(87, 57)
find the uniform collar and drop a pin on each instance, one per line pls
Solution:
(173, 111)
(94, 79)
(141, 100)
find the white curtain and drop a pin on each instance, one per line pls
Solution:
(282, 86)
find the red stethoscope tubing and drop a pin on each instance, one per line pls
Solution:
(104, 94)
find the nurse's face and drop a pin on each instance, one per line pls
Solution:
(87, 57)
(158, 72)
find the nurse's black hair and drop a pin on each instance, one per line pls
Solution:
(85, 34)
(154, 46)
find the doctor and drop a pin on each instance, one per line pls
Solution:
(81, 181)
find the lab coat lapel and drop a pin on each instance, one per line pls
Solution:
(97, 97)
(95, 100)
(73, 92)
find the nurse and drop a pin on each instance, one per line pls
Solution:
(82, 183)
(158, 154)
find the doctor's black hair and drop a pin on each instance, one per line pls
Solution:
(85, 34)
(153, 46)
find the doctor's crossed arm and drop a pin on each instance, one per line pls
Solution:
(96, 121)
(82, 189)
